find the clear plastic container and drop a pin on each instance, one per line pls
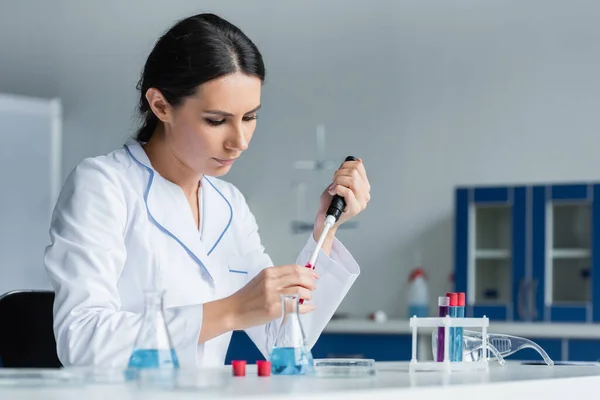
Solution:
(344, 367)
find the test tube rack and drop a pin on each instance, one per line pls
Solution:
(446, 365)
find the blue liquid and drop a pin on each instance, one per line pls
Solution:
(149, 358)
(453, 311)
(420, 311)
(458, 341)
(291, 361)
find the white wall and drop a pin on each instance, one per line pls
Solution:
(430, 93)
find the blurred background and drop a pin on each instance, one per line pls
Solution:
(495, 97)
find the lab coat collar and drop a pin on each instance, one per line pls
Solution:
(168, 208)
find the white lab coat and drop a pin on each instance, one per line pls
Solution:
(119, 228)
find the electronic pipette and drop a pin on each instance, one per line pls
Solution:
(336, 207)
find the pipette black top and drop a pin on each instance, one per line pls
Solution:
(337, 205)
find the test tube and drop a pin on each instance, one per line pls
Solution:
(458, 352)
(453, 312)
(443, 303)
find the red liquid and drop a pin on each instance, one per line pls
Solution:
(308, 265)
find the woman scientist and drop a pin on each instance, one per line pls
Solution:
(153, 215)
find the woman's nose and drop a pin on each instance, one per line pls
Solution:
(237, 140)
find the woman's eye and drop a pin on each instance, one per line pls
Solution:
(217, 122)
(214, 122)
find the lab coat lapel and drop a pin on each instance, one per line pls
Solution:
(216, 215)
(168, 208)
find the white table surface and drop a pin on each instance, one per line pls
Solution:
(514, 381)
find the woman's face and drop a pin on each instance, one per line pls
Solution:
(210, 129)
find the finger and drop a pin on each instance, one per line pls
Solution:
(355, 173)
(300, 291)
(361, 194)
(361, 169)
(349, 164)
(288, 281)
(358, 170)
(346, 181)
(357, 186)
(358, 165)
(352, 205)
(292, 269)
(283, 270)
(297, 276)
(306, 308)
(346, 172)
(363, 174)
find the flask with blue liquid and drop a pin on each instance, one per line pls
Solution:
(290, 354)
(153, 349)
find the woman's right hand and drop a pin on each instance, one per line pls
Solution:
(259, 302)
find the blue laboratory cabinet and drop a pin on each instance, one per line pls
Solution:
(397, 347)
(380, 347)
(529, 252)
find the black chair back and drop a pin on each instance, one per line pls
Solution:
(26, 333)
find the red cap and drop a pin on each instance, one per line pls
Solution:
(461, 299)
(263, 367)
(415, 273)
(239, 367)
(453, 299)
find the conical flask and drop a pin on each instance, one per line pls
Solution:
(290, 354)
(153, 348)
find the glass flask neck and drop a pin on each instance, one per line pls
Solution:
(153, 300)
(154, 332)
(291, 333)
(290, 304)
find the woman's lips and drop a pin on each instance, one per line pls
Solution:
(225, 161)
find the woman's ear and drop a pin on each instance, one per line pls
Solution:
(159, 105)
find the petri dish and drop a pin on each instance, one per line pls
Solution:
(97, 374)
(344, 367)
(30, 377)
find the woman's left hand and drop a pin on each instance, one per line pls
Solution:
(349, 181)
